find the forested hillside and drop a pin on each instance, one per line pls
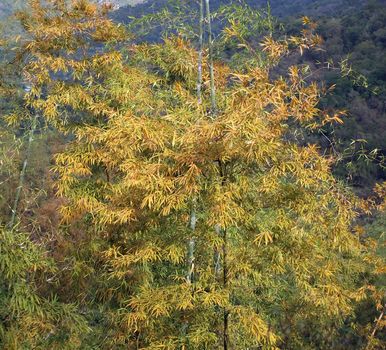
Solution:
(8, 6)
(193, 175)
(281, 8)
(357, 37)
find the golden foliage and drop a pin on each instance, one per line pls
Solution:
(144, 150)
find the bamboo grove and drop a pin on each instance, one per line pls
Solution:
(193, 214)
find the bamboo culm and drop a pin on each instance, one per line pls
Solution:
(225, 283)
(193, 216)
(220, 231)
(200, 52)
(191, 247)
(211, 65)
(15, 206)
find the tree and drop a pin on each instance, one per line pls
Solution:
(144, 150)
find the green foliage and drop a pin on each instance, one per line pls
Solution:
(9, 160)
(28, 318)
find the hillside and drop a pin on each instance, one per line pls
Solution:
(280, 8)
(7, 7)
(122, 3)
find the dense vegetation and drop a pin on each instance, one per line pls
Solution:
(180, 193)
(354, 51)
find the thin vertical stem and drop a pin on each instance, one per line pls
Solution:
(193, 216)
(223, 232)
(191, 245)
(218, 229)
(200, 52)
(211, 65)
(23, 172)
(225, 283)
(269, 18)
(217, 256)
(375, 329)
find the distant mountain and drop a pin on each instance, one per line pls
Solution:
(280, 8)
(7, 7)
(120, 3)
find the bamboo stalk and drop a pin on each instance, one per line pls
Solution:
(193, 216)
(223, 232)
(225, 283)
(375, 329)
(218, 229)
(217, 256)
(191, 247)
(11, 223)
(211, 65)
(200, 52)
